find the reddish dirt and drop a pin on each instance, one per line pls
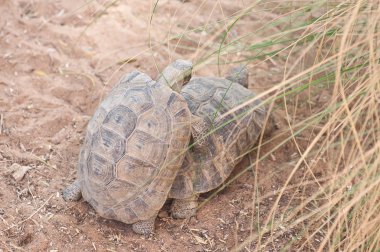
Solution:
(58, 59)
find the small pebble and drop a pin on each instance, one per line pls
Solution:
(19, 171)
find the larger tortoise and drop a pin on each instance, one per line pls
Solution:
(134, 146)
(226, 136)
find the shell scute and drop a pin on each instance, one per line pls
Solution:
(144, 146)
(96, 120)
(192, 103)
(154, 198)
(224, 126)
(138, 100)
(121, 120)
(201, 181)
(124, 212)
(208, 111)
(175, 104)
(135, 171)
(140, 208)
(215, 175)
(155, 122)
(120, 189)
(182, 115)
(200, 89)
(101, 171)
(109, 144)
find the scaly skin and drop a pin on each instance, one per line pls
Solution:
(184, 208)
(144, 227)
(72, 192)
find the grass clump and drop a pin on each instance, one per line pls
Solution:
(337, 55)
(329, 93)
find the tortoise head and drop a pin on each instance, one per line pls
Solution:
(176, 74)
(239, 75)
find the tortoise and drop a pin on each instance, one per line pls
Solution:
(135, 143)
(225, 137)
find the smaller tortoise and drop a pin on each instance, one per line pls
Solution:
(135, 143)
(225, 137)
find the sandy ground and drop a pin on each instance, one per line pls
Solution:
(58, 59)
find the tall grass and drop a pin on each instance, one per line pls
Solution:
(328, 49)
(335, 53)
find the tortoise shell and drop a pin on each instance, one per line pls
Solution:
(231, 135)
(134, 146)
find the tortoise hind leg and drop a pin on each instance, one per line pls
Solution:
(184, 208)
(73, 192)
(144, 227)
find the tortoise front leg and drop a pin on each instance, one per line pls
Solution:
(184, 208)
(144, 227)
(73, 192)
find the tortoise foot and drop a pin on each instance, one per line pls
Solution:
(72, 192)
(184, 208)
(144, 227)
